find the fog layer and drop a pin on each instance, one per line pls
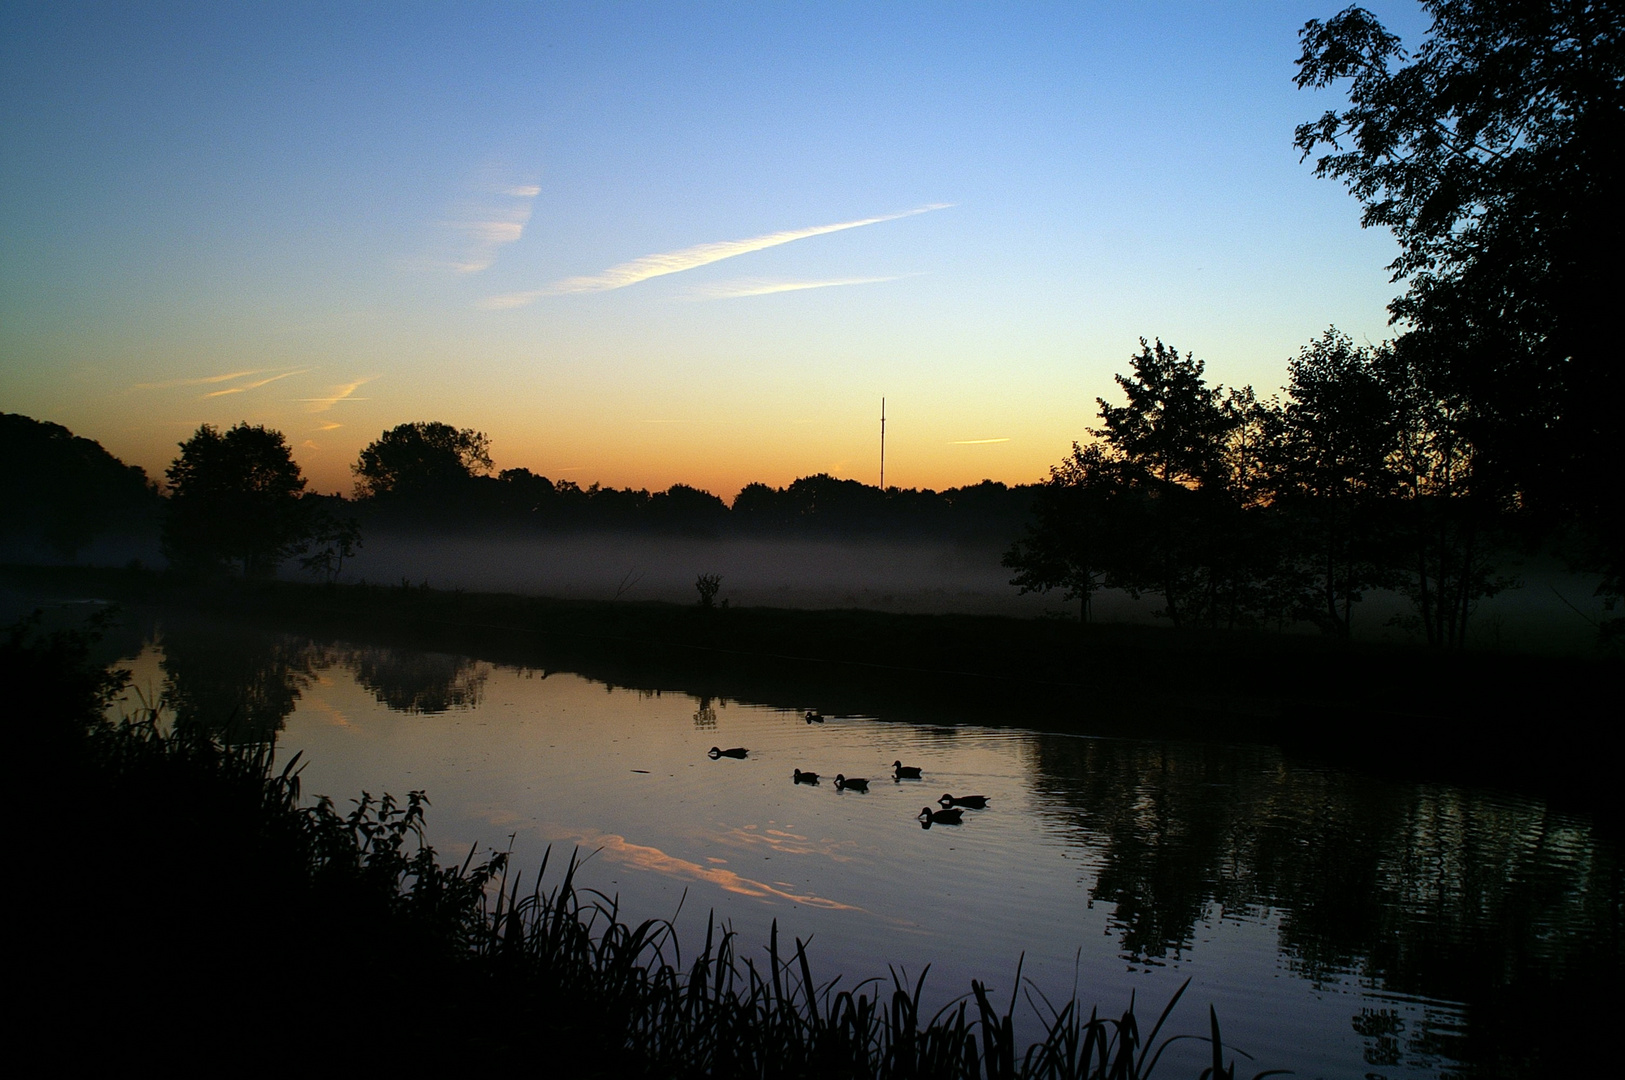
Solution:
(886, 575)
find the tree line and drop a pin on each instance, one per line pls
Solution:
(236, 499)
(434, 475)
(1237, 511)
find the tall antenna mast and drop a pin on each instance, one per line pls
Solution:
(882, 444)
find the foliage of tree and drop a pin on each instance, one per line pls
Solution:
(1331, 448)
(65, 490)
(1187, 457)
(1495, 153)
(331, 539)
(235, 498)
(1443, 524)
(421, 460)
(708, 585)
(1171, 429)
(1076, 530)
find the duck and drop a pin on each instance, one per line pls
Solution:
(975, 802)
(856, 783)
(735, 752)
(929, 816)
(804, 777)
(904, 772)
(814, 716)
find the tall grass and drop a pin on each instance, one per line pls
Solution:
(208, 906)
(723, 1015)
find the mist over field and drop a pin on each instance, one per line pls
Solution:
(1552, 610)
(901, 575)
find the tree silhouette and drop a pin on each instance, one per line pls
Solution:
(235, 498)
(1076, 531)
(1446, 516)
(1177, 450)
(1172, 428)
(1495, 153)
(421, 460)
(708, 586)
(1334, 440)
(66, 490)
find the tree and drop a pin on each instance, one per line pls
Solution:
(708, 586)
(1170, 500)
(1336, 437)
(1171, 430)
(235, 497)
(1170, 444)
(66, 490)
(1445, 518)
(1494, 154)
(421, 460)
(1075, 534)
(329, 541)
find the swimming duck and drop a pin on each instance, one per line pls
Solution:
(804, 777)
(814, 716)
(856, 783)
(941, 817)
(904, 772)
(975, 802)
(717, 752)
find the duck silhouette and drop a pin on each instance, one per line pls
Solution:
(804, 777)
(717, 752)
(814, 716)
(856, 783)
(904, 772)
(930, 817)
(975, 802)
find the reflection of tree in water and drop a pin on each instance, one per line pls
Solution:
(238, 682)
(1429, 891)
(705, 716)
(419, 682)
(1168, 826)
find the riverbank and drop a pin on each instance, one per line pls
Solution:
(1538, 724)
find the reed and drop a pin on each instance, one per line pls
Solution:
(723, 1015)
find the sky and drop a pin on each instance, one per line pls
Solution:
(658, 243)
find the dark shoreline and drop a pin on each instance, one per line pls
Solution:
(1539, 725)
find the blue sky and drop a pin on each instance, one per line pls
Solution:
(336, 218)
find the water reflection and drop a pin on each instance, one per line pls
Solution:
(418, 682)
(1457, 922)
(1431, 892)
(239, 683)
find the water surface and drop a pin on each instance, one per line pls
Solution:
(1342, 926)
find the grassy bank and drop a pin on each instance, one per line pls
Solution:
(198, 914)
(1538, 724)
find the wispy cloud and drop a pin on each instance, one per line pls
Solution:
(255, 385)
(493, 215)
(974, 442)
(675, 262)
(345, 392)
(206, 380)
(728, 290)
(329, 426)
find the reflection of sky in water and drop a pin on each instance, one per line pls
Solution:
(1111, 866)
